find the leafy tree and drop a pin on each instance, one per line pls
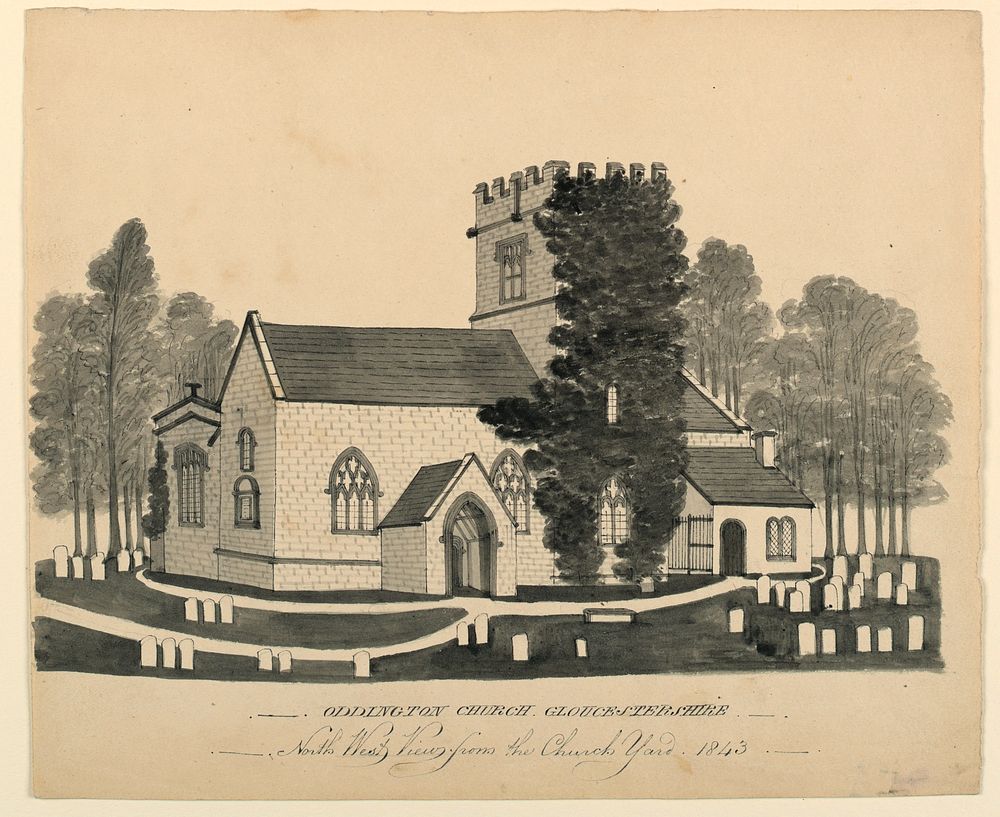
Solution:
(196, 347)
(124, 280)
(154, 523)
(619, 266)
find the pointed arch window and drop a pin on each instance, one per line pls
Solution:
(246, 503)
(510, 480)
(353, 491)
(190, 463)
(615, 514)
(247, 443)
(780, 538)
(611, 404)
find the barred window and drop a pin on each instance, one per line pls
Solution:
(611, 403)
(247, 443)
(510, 481)
(246, 501)
(190, 463)
(353, 493)
(615, 512)
(780, 538)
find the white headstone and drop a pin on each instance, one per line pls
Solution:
(97, 567)
(77, 567)
(764, 590)
(147, 652)
(885, 639)
(646, 585)
(831, 597)
(779, 593)
(902, 595)
(462, 633)
(226, 609)
(883, 585)
(186, 649)
(124, 561)
(805, 588)
(482, 628)
(807, 638)
(838, 582)
(265, 660)
(736, 620)
(828, 642)
(853, 597)
(910, 574)
(362, 664)
(915, 633)
(519, 643)
(797, 602)
(840, 567)
(284, 661)
(191, 610)
(864, 636)
(169, 653)
(866, 565)
(581, 648)
(859, 582)
(139, 555)
(208, 611)
(60, 555)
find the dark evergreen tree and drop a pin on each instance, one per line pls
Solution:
(619, 267)
(154, 523)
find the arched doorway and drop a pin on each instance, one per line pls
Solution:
(470, 546)
(733, 555)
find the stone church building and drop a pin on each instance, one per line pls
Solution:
(352, 458)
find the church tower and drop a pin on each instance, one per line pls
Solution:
(514, 285)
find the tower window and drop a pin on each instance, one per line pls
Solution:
(611, 404)
(510, 255)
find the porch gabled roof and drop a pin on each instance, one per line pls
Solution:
(733, 476)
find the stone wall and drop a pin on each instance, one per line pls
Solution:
(531, 326)
(238, 570)
(315, 575)
(404, 559)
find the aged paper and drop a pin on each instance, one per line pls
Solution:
(315, 170)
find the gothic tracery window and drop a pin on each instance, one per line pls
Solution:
(511, 254)
(353, 493)
(614, 513)
(510, 481)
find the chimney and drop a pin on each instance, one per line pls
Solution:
(193, 387)
(763, 446)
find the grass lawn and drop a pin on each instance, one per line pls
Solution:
(124, 596)
(676, 583)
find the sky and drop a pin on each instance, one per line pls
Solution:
(320, 167)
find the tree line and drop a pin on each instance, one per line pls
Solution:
(103, 363)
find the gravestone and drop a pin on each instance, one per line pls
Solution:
(60, 555)
(285, 661)
(139, 555)
(226, 610)
(462, 633)
(779, 593)
(838, 582)
(883, 586)
(805, 588)
(147, 652)
(97, 567)
(902, 595)
(840, 567)
(859, 582)
(169, 653)
(866, 565)
(797, 602)
(910, 574)
(853, 597)
(764, 590)
(77, 567)
(124, 561)
(208, 611)
(736, 617)
(831, 597)
(864, 638)
(191, 610)
(265, 660)
(915, 633)
(363, 664)
(646, 585)
(807, 638)
(581, 648)
(828, 642)
(481, 625)
(186, 649)
(885, 639)
(519, 643)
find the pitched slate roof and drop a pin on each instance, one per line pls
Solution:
(733, 476)
(413, 504)
(417, 367)
(703, 412)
